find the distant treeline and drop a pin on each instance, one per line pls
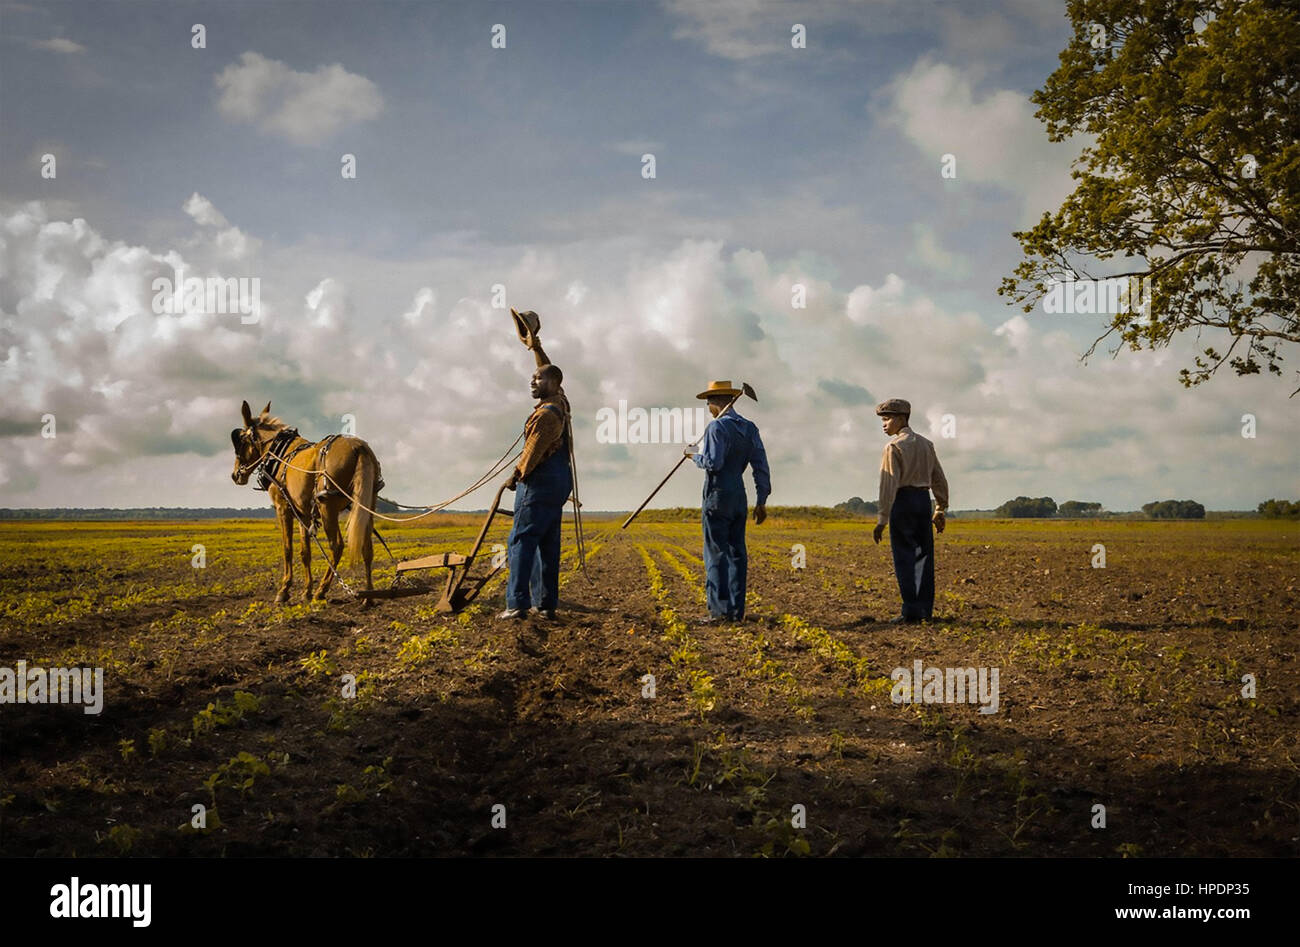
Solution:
(1279, 509)
(1174, 510)
(1041, 507)
(141, 513)
(857, 506)
(853, 508)
(158, 513)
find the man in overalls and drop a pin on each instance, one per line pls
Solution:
(731, 443)
(542, 481)
(909, 470)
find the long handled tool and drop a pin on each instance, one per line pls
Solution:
(745, 390)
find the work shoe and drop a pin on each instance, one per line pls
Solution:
(903, 620)
(710, 620)
(511, 613)
(546, 614)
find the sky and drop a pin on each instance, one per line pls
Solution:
(505, 167)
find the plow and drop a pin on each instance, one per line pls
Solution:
(460, 588)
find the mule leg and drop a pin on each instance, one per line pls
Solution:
(306, 562)
(330, 522)
(286, 549)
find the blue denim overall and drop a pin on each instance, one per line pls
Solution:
(534, 545)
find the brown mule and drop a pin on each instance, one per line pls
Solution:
(299, 485)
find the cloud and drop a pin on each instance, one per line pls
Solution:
(304, 107)
(748, 29)
(947, 265)
(994, 137)
(844, 392)
(437, 380)
(204, 214)
(734, 29)
(59, 45)
(231, 242)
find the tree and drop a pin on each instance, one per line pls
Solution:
(1174, 510)
(1194, 178)
(1279, 509)
(859, 507)
(1078, 508)
(1023, 507)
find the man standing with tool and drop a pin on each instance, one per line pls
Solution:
(909, 469)
(542, 481)
(730, 444)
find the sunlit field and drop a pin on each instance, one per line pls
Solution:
(322, 729)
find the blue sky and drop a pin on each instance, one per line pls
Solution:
(522, 167)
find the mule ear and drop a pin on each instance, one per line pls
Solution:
(248, 415)
(267, 409)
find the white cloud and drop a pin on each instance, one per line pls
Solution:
(304, 107)
(439, 388)
(422, 308)
(231, 242)
(204, 214)
(867, 306)
(994, 137)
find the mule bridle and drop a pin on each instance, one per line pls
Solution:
(268, 461)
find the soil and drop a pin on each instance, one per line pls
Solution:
(1120, 687)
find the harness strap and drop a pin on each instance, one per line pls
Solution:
(269, 468)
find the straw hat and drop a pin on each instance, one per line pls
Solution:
(720, 388)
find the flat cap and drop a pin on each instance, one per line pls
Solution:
(894, 406)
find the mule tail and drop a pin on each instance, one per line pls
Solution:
(364, 478)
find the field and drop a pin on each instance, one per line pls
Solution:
(1119, 687)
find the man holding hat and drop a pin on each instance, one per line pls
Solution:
(730, 444)
(543, 481)
(909, 469)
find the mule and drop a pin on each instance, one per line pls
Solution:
(290, 468)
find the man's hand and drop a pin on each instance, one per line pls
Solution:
(760, 513)
(878, 532)
(939, 521)
(514, 479)
(689, 451)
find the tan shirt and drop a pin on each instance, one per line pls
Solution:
(543, 433)
(544, 429)
(909, 460)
